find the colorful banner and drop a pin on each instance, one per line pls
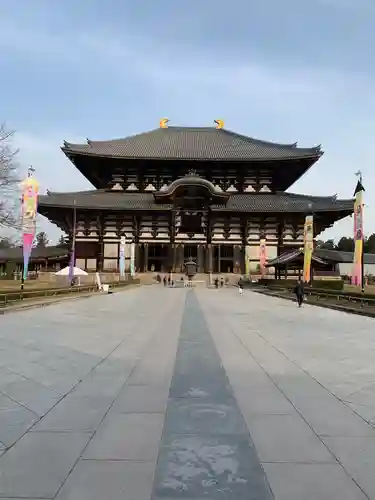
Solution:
(73, 249)
(308, 238)
(358, 236)
(262, 256)
(132, 260)
(29, 200)
(122, 257)
(247, 260)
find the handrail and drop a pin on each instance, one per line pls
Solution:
(11, 297)
(363, 300)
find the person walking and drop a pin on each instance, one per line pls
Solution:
(300, 292)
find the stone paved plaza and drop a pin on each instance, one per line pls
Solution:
(186, 394)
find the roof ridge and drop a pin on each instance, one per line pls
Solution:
(247, 138)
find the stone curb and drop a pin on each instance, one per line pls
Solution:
(348, 310)
(26, 306)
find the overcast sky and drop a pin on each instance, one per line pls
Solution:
(286, 71)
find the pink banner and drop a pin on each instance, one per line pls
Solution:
(30, 191)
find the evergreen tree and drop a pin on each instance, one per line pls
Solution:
(41, 240)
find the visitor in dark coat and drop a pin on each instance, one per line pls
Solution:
(300, 292)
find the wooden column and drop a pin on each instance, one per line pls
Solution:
(181, 258)
(145, 264)
(209, 258)
(236, 258)
(200, 259)
(219, 258)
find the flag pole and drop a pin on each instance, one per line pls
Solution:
(363, 243)
(360, 177)
(73, 249)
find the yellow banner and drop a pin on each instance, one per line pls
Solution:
(308, 237)
(358, 239)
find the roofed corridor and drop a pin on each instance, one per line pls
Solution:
(173, 393)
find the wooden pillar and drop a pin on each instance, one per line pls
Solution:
(219, 258)
(209, 258)
(236, 258)
(145, 262)
(200, 259)
(171, 265)
(137, 263)
(182, 257)
(174, 257)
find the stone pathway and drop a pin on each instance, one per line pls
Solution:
(186, 394)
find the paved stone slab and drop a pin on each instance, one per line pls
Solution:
(206, 451)
(106, 480)
(14, 421)
(311, 482)
(91, 351)
(286, 438)
(307, 359)
(39, 463)
(127, 436)
(302, 379)
(76, 414)
(141, 399)
(357, 455)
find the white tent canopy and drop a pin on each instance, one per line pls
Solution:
(76, 272)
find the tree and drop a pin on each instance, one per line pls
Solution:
(6, 243)
(9, 179)
(63, 241)
(41, 240)
(345, 244)
(327, 245)
(370, 244)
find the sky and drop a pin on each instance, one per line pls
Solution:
(283, 71)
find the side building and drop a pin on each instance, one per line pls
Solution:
(179, 193)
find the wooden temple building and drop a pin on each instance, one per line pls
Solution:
(180, 193)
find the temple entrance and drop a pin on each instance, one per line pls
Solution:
(222, 258)
(158, 257)
(190, 252)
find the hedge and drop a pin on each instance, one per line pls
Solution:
(323, 285)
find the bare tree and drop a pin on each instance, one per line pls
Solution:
(9, 180)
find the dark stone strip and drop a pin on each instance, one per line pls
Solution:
(206, 451)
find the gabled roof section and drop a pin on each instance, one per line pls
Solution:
(320, 255)
(293, 256)
(191, 143)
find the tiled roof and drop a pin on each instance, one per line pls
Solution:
(292, 256)
(343, 257)
(320, 255)
(16, 254)
(246, 202)
(191, 143)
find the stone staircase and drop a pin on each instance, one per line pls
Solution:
(200, 279)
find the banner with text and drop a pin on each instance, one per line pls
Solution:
(358, 236)
(262, 256)
(308, 238)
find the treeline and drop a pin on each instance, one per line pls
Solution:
(41, 241)
(346, 244)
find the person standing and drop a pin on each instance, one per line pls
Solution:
(300, 292)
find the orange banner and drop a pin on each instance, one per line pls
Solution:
(308, 237)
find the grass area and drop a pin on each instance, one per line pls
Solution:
(355, 289)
